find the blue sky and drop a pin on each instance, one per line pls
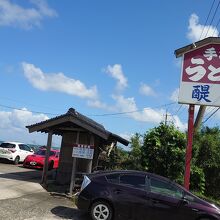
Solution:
(97, 56)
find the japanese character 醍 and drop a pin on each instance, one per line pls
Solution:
(201, 92)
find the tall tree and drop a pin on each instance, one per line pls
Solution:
(164, 151)
(207, 145)
(117, 159)
(135, 154)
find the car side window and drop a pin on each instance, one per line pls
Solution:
(189, 197)
(24, 147)
(113, 178)
(7, 145)
(27, 148)
(21, 146)
(137, 181)
(165, 188)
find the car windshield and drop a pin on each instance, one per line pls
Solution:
(43, 153)
(7, 145)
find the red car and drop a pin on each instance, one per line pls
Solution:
(37, 159)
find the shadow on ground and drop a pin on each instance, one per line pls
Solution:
(69, 213)
(19, 176)
(18, 172)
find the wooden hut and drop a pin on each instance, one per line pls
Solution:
(75, 129)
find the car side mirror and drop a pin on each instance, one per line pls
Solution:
(184, 200)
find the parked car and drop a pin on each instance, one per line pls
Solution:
(34, 147)
(14, 151)
(137, 195)
(37, 159)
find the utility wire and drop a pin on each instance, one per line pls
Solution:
(216, 27)
(211, 110)
(208, 111)
(210, 115)
(207, 18)
(129, 112)
(107, 114)
(179, 109)
(213, 17)
(24, 110)
(182, 110)
(26, 103)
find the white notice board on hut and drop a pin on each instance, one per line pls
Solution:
(83, 151)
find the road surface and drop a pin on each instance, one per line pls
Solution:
(23, 198)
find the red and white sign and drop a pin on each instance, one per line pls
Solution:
(200, 81)
(83, 151)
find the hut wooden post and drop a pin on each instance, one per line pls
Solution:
(73, 174)
(45, 167)
(89, 165)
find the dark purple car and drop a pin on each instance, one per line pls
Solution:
(139, 195)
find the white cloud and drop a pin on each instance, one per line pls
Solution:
(146, 90)
(177, 122)
(116, 72)
(98, 104)
(174, 95)
(12, 14)
(57, 82)
(101, 105)
(18, 119)
(13, 126)
(44, 8)
(126, 136)
(195, 29)
(146, 115)
(154, 116)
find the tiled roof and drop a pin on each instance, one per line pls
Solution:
(86, 123)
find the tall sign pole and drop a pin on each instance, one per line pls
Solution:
(199, 85)
(189, 146)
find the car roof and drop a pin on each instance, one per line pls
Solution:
(44, 148)
(137, 172)
(105, 173)
(12, 142)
